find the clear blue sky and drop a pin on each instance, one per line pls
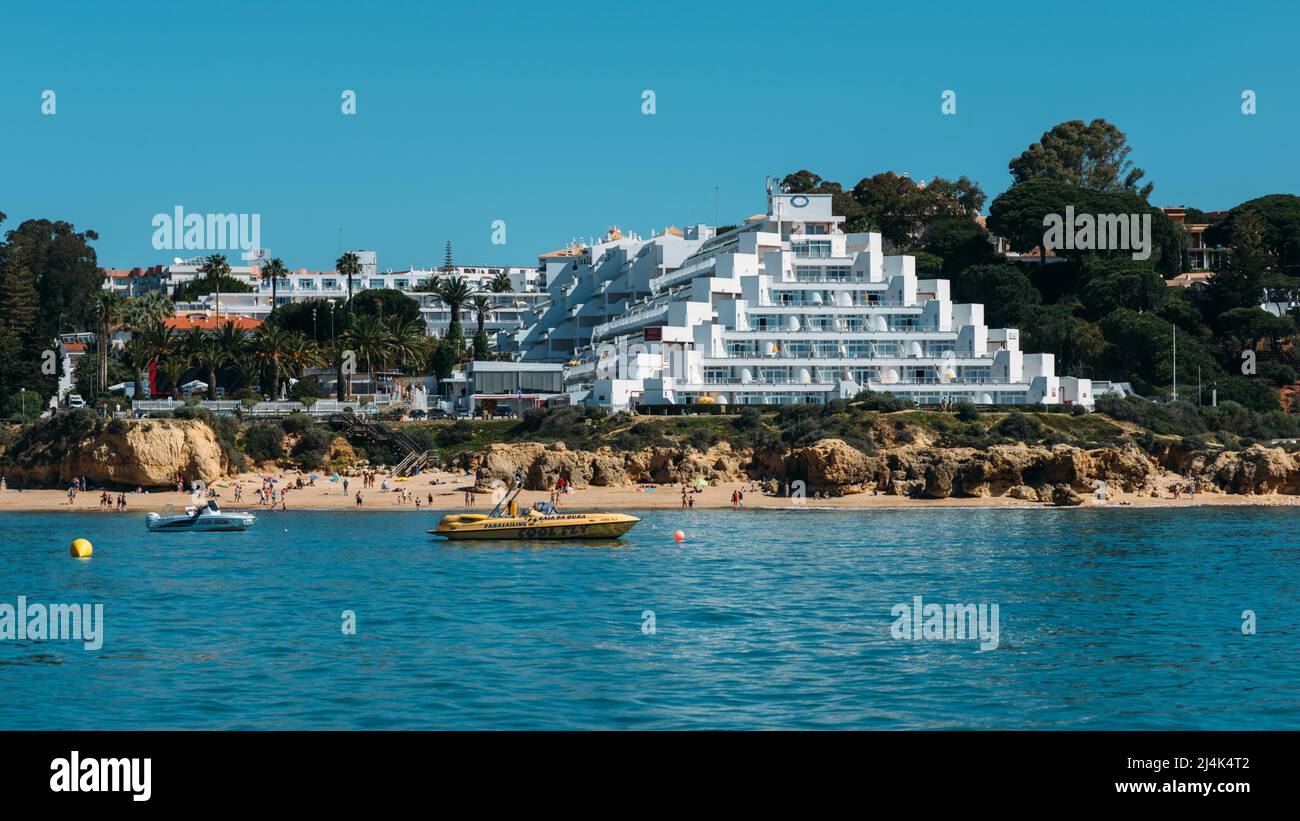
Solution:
(531, 113)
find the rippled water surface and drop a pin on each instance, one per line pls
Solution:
(1108, 619)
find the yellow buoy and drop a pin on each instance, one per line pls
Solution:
(81, 549)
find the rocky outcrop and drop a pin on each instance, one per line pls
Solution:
(1064, 496)
(123, 453)
(1255, 470)
(543, 465)
(832, 464)
(1059, 475)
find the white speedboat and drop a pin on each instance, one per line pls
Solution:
(199, 517)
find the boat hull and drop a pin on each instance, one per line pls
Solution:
(528, 528)
(176, 524)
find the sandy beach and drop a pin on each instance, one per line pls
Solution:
(447, 491)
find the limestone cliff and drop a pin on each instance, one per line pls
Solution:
(1054, 475)
(122, 453)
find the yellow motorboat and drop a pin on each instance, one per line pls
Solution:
(534, 525)
(543, 521)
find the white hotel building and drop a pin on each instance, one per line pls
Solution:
(786, 308)
(512, 311)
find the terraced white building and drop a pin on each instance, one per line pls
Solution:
(786, 308)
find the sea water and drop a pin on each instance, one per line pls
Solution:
(1106, 619)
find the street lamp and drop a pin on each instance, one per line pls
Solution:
(22, 394)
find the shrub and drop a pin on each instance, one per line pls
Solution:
(967, 412)
(296, 422)
(1020, 427)
(264, 441)
(883, 402)
(460, 432)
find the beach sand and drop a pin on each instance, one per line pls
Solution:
(448, 492)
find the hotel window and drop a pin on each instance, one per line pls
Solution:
(401, 284)
(812, 249)
(307, 284)
(376, 283)
(329, 284)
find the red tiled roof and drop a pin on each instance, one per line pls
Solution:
(208, 323)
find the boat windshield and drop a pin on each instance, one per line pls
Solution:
(167, 510)
(212, 506)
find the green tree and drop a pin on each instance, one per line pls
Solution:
(501, 284)
(348, 266)
(370, 339)
(1076, 343)
(270, 344)
(1111, 283)
(1005, 292)
(1274, 219)
(385, 303)
(1092, 155)
(211, 354)
(443, 358)
(214, 269)
(1240, 284)
(138, 353)
(454, 292)
(273, 273)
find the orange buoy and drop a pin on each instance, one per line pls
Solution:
(679, 536)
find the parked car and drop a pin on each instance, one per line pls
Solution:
(75, 401)
(439, 413)
(419, 414)
(503, 412)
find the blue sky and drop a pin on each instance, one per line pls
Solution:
(531, 114)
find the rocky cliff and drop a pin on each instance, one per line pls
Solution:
(1055, 475)
(122, 453)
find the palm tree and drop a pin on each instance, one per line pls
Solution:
(211, 355)
(300, 353)
(348, 266)
(139, 313)
(233, 339)
(369, 338)
(454, 292)
(214, 268)
(249, 368)
(174, 367)
(482, 306)
(408, 342)
(501, 284)
(137, 352)
(162, 341)
(270, 345)
(108, 312)
(274, 271)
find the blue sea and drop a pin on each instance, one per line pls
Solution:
(1108, 619)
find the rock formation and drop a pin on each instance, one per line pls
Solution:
(123, 453)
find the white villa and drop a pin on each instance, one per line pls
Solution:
(786, 308)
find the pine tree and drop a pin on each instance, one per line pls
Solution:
(447, 264)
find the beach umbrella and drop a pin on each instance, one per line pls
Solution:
(701, 482)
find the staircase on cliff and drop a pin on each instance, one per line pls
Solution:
(416, 457)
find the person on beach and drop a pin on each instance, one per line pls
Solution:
(345, 486)
(358, 498)
(684, 499)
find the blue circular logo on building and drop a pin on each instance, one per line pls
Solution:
(799, 201)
